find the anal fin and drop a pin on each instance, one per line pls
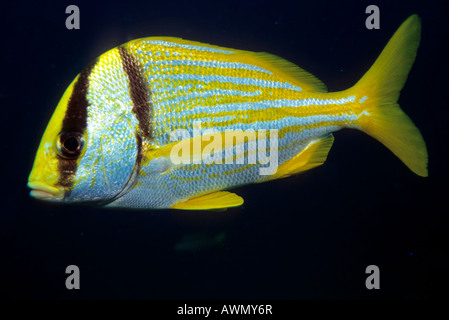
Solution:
(312, 156)
(215, 200)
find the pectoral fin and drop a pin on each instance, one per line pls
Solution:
(215, 200)
(314, 155)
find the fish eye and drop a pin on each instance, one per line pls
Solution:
(70, 145)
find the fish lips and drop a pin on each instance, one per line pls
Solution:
(43, 191)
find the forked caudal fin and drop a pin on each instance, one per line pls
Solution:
(382, 85)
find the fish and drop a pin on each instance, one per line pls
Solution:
(168, 123)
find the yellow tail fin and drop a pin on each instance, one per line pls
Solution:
(381, 85)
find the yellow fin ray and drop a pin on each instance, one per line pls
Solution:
(313, 156)
(289, 71)
(215, 200)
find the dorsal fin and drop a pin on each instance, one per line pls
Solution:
(277, 65)
(290, 71)
(184, 41)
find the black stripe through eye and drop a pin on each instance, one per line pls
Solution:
(71, 139)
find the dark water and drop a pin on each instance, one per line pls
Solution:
(310, 236)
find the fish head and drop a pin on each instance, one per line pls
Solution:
(88, 151)
(56, 150)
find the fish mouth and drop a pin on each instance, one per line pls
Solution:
(42, 191)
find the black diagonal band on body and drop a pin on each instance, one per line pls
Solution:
(75, 120)
(139, 92)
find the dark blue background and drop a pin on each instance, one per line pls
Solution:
(309, 236)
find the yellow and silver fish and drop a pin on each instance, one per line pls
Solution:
(109, 140)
